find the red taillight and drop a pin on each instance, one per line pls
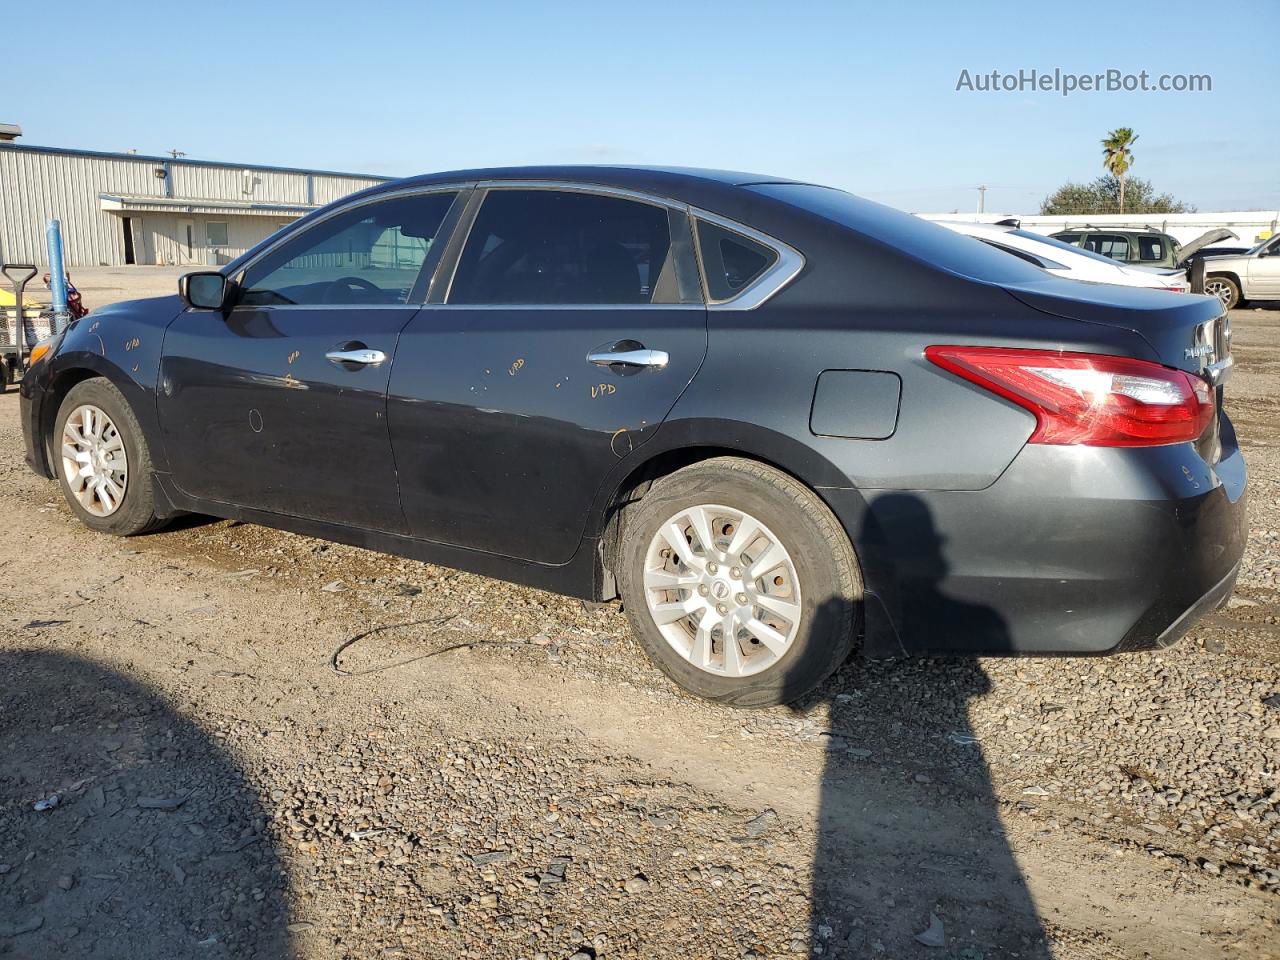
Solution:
(1088, 398)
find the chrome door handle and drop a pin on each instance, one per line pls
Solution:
(630, 358)
(369, 357)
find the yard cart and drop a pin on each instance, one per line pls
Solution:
(22, 324)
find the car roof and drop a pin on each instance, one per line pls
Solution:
(686, 184)
(604, 174)
(1090, 228)
(975, 225)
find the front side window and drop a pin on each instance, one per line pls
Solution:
(369, 254)
(731, 261)
(1108, 244)
(565, 247)
(1071, 238)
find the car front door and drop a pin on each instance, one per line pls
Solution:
(1264, 273)
(573, 322)
(279, 404)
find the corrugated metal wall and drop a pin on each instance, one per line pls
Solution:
(36, 186)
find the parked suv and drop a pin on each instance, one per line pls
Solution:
(1254, 275)
(776, 420)
(1139, 248)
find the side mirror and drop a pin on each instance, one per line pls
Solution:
(204, 291)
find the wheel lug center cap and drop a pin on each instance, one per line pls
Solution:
(720, 589)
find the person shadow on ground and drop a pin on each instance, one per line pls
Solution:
(125, 830)
(912, 859)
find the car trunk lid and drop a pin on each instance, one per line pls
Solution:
(1202, 241)
(1187, 332)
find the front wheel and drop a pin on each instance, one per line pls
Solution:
(739, 582)
(1225, 289)
(104, 466)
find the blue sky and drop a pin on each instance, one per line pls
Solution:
(857, 95)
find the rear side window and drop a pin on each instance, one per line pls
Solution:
(369, 254)
(1151, 248)
(1108, 244)
(1071, 238)
(554, 246)
(730, 260)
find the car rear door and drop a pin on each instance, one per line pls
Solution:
(571, 325)
(280, 404)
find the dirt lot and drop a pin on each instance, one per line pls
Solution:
(227, 787)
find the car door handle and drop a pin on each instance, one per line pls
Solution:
(629, 358)
(364, 356)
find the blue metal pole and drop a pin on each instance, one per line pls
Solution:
(57, 276)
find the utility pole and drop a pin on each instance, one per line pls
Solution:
(982, 198)
(175, 153)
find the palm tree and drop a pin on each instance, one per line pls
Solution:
(1117, 157)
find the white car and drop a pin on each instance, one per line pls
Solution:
(1065, 260)
(1250, 276)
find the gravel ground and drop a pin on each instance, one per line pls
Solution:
(231, 783)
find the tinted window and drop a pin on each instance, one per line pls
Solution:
(1071, 238)
(1108, 244)
(552, 246)
(1150, 248)
(369, 254)
(730, 260)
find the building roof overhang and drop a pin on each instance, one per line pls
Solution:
(126, 203)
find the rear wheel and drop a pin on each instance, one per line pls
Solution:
(104, 466)
(1225, 289)
(739, 582)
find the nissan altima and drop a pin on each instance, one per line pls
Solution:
(779, 422)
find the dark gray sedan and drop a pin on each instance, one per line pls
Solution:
(776, 420)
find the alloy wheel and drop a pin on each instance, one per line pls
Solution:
(722, 590)
(1219, 289)
(94, 461)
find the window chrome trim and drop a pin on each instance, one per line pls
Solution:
(582, 186)
(327, 306)
(568, 306)
(341, 208)
(784, 269)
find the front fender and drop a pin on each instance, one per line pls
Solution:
(122, 343)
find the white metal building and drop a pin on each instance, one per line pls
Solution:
(121, 208)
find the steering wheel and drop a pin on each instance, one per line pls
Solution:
(347, 284)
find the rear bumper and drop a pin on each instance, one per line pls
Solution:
(1073, 551)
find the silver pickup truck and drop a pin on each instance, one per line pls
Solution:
(1254, 275)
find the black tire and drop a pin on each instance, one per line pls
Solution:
(136, 512)
(829, 577)
(1225, 289)
(6, 375)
